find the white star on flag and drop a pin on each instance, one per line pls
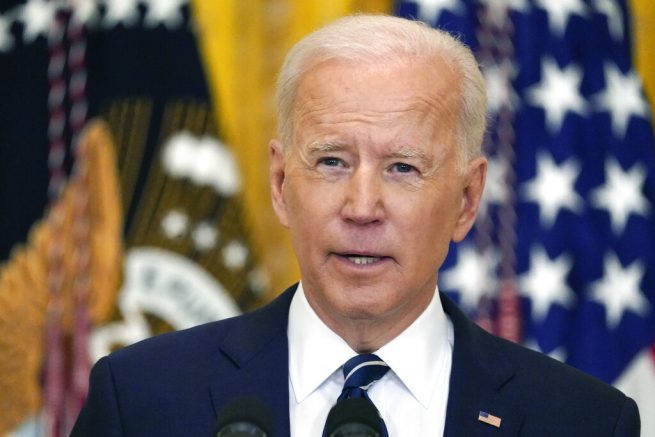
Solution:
(498, 10)
(559, 353)
(495, 187)
(619, 291)
(473, 275)
(85, 11)
(125, 12)
(622, 98)
(37, 17)
(621, 194)
(545, 282)
(559, 13)
(558, 93)
(500, 92)
(429, 10)
(166, 12)
(614, 15)
(553, 188)
(6, 40)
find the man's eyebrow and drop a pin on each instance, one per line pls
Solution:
(403, 153)
(410, 153)
(330, 146)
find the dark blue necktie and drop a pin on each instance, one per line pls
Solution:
(360, 373)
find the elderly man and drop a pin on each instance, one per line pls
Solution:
(377, 168)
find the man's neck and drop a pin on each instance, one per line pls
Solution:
(367, 335)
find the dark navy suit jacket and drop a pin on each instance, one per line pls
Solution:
(176, 384)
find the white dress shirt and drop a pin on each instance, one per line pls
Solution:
(412, 396)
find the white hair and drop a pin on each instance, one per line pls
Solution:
(376, 38)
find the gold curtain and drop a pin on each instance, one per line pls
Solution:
(243, 44)
(643, 22)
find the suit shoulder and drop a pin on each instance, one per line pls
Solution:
(519, 367)
(579, 401)
(545, 371)
(204, 341)
(172, 346)
(536, 394)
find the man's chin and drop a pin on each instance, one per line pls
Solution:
(365, 310)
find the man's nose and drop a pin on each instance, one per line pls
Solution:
(363, 198)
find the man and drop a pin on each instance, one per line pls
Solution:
(376, 169)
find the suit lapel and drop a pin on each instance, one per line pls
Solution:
(257, 365)
(480, 374)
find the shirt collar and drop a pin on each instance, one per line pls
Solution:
(419, 354)
(414, 356)
(311, 362)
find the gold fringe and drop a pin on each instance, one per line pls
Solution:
(24, 292)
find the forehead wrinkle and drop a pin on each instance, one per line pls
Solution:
(317, 106)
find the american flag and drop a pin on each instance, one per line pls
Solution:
(562, 257)
(485, 417)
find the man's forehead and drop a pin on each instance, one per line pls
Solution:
(401, 105)
(377, 83)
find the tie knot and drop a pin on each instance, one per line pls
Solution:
(362, 371)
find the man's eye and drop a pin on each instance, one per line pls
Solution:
(330, 162)
(402, 167)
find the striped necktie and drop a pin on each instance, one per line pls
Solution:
(360, 373)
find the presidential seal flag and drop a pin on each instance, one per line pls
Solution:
(563, 254)
(122, 206)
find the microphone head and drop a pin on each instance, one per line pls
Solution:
(353, 417)
(245, 416)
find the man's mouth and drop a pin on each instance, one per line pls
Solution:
(363, 260)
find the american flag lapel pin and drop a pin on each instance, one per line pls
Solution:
(490, 419)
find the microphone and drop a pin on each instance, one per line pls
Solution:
(245, 416)
(353, 417)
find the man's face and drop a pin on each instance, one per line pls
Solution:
(371, 189)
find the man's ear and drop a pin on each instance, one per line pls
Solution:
(475, 176)
(276, 170)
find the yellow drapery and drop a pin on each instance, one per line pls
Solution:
(643, 22)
